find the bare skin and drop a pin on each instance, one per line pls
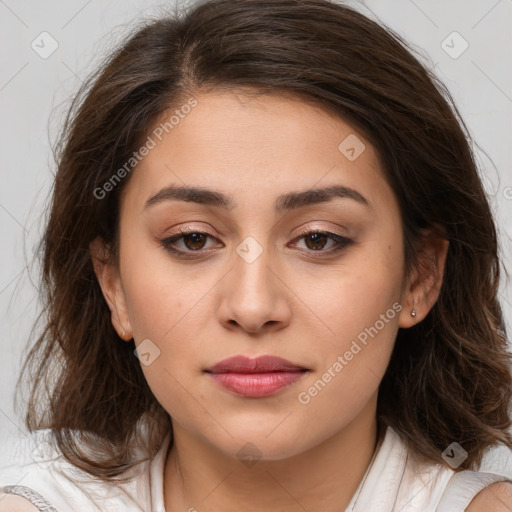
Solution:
(298, 300)
(495, 498)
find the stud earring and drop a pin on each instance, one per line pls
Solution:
(413, 312)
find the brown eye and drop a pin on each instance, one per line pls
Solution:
(187, 241)
(318, 241)
(194, 241)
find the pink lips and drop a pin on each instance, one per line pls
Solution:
(255, 378)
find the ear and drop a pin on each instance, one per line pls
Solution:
(109, 280)
(423, 286)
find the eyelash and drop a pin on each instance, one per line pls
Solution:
(341, 242)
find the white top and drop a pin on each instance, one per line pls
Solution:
(392, 483)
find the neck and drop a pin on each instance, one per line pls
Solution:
(199, 476)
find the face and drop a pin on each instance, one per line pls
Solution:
(247, 279)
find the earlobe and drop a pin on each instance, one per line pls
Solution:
(109, 280)
(424, 283)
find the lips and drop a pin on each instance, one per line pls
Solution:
(255, 378)
(262, 364)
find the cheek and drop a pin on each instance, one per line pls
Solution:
(361, 310)
(352, 296)
(157, 293)
(351, 367)
(161, 309)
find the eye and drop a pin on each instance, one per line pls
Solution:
(316, 240)
(193, 240)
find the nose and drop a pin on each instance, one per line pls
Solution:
(254, 297)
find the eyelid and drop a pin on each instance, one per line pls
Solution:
(316, 229)
(191, 229)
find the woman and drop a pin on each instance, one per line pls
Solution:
(271, 275)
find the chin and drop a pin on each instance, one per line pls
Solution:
(258, 444)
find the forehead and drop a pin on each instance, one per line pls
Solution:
(255, 149)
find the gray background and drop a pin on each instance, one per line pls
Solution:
(35, 91)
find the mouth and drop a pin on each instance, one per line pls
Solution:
(255, 378)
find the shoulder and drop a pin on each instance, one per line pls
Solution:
(12, 503)
(496, 497)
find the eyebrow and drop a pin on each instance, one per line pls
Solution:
(285, 202)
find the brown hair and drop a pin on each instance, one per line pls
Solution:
(449, 376)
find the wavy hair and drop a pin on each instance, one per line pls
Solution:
(449, 377)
